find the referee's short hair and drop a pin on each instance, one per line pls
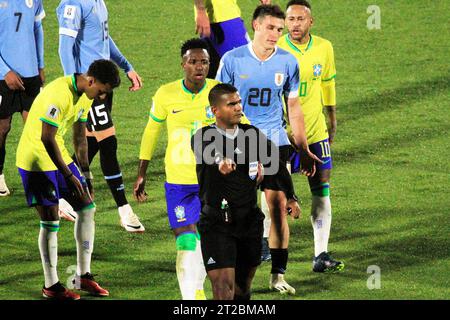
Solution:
(218, 91)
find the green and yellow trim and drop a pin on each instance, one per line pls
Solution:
(297, 49)
(329, 79)
(321, 190)
(155, 118)
(190, 92)
(49, 122)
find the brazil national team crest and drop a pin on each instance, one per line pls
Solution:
(209, 113)
(29, 3)
(179, 212)
(279, 77)
(317, 70)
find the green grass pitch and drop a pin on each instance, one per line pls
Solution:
(391, 160)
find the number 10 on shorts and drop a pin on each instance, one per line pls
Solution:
(325, 146)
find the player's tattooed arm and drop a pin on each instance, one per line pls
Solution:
(48, 139)
(81, 152)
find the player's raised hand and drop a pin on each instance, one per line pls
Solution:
(293, 209)
(308, 163)
(13, 81)
(136, 81)
(202, 26)
(226, 166)
(139, 190)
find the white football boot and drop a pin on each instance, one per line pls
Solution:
(129, 220)
(277, 283)
(4, 191)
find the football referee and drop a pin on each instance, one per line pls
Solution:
(233, 159)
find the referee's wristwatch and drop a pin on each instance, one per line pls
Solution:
(294, 197)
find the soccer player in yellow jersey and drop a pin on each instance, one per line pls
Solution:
(183, 105)
(317, 90)
(49, 173)
(219, 22)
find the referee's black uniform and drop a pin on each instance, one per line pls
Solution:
(231, 224)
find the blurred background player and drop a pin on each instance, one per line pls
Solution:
(219, 22)
(317, 90)
(83, 38)
(21, 69)
(48, 172)
(231, 224)
(183, 105)
(264, 75)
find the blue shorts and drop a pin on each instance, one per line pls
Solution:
(228, 35)
(183, 204)
(321, 149)
(45, 188)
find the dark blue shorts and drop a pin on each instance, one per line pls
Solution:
(45, 188)
(183, 204)
(321, 149)
(228, 35)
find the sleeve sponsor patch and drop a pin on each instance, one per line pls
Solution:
(52, 112)
(69, 12)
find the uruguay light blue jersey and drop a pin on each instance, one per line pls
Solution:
(86, 23)
(21, 37)
(262, 86)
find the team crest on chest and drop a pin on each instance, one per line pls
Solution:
(317, 70)
(209, 113)
(279, 78)
(29, 3)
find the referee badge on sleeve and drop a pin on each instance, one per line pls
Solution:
(53, 112)
(279, 77)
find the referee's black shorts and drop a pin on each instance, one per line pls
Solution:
(270, 182)
(234, 245)
(12, 101)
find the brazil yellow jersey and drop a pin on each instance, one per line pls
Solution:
(222, 10)
(317, 82)
(58, 105)
(184, 112)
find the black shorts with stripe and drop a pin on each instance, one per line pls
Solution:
(100, 114)
(12, 101)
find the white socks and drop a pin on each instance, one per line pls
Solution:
(48, 248)
(84, 232)
(267, 219)
(321, 222)
(191, 272)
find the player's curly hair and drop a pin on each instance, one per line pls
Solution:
(272, 10)
(299, 3)
(194, 43)
(105, 71)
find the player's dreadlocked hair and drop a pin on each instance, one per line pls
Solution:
(268, 10)
(299, 3)
(105, 71)
(194, 43)
(218, 91)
